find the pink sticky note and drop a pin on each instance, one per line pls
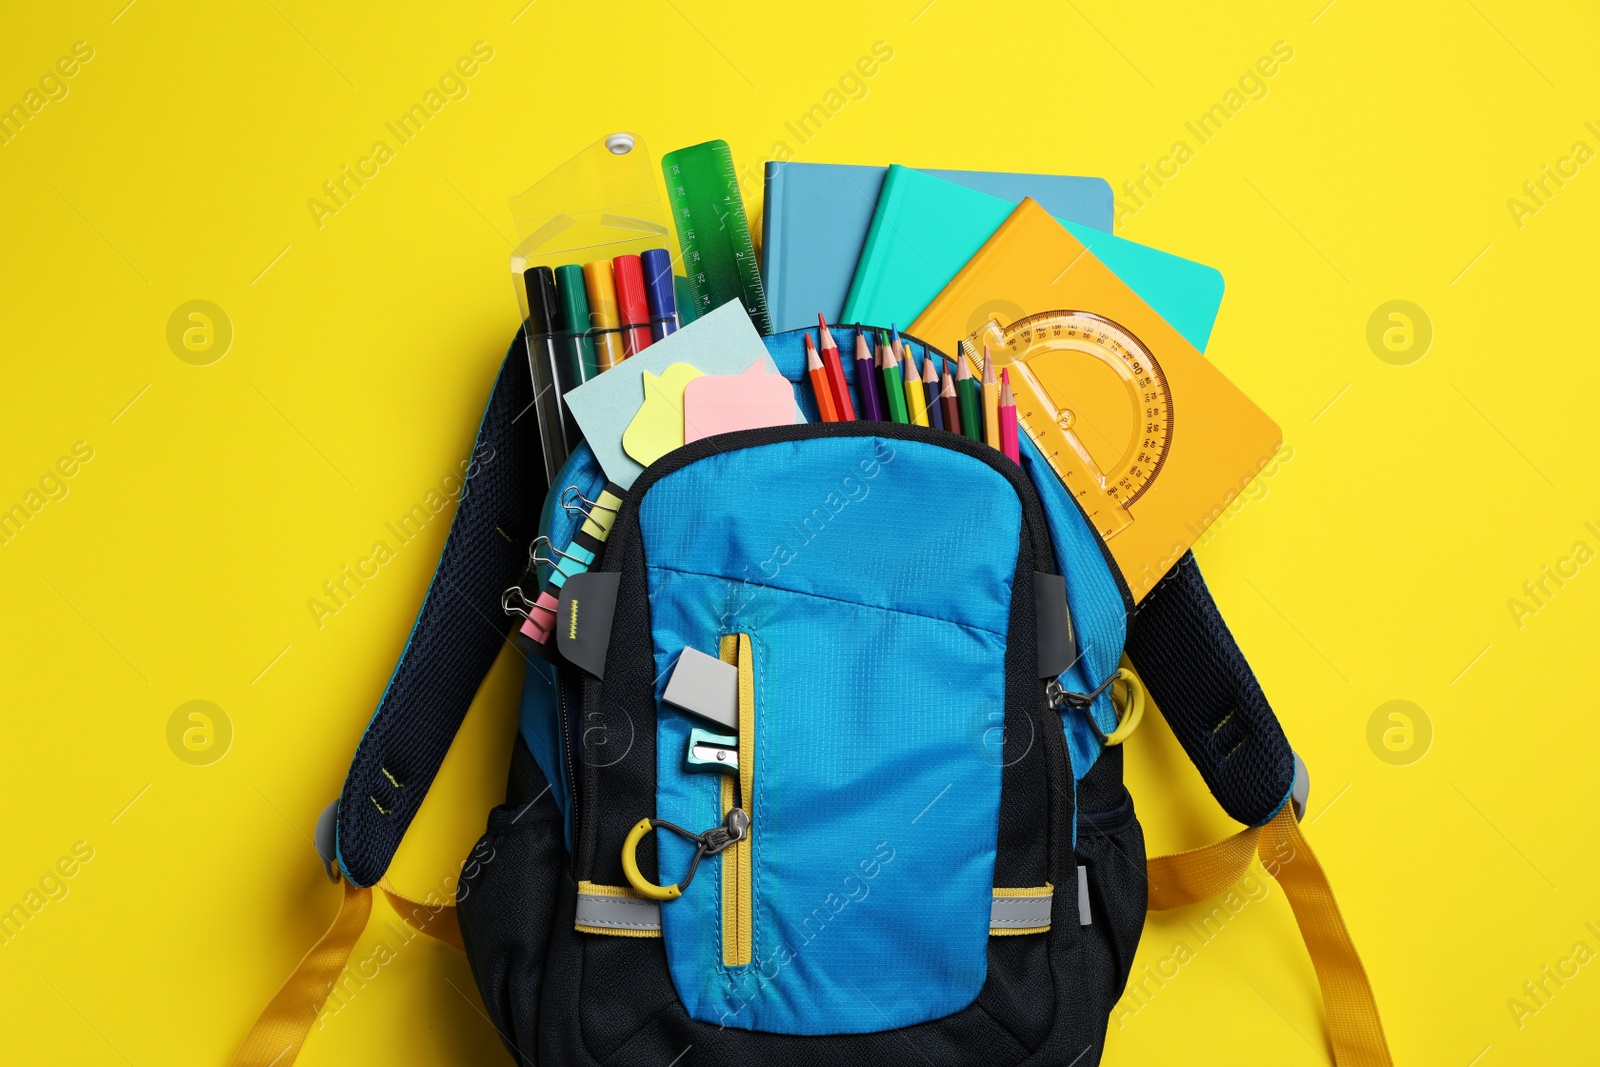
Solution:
(722, 403)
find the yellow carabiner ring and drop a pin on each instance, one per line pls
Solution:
(1132, 707)
(630, 866)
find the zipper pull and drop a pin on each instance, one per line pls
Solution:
(1059, 696)
(735, 828)
(1128, 716)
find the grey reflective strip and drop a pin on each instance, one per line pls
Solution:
(1019, 913)
(1084, 918)
(1005, 913)
(618, 913)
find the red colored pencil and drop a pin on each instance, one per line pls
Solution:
(819, 383)
(1008, 419)
(830, 359)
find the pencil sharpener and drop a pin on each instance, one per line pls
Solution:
(712, 752)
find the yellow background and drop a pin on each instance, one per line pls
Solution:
(1377, 567)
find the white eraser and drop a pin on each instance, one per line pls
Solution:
(705, 686)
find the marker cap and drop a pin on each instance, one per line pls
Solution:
(658, 285)
(628, 276)
(572, 311)
(602, 294)
(540, 283)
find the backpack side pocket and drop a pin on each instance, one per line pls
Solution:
(1110, 848)
(507, 903)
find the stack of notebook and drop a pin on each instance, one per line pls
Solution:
(1099, 337)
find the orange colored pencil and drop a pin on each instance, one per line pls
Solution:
(819, 383)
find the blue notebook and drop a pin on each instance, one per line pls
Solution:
(925, 230)
(817, 215)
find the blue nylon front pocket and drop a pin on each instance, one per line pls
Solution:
(874, 579)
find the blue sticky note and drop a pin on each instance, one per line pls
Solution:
(722, 341)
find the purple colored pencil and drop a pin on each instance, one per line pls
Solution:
(867, 380)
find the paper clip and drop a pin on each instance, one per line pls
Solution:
(577, 508)
(598, 515)
(515, 602)
(574, 561)
(536, 560)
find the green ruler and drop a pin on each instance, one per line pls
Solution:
(718, 255)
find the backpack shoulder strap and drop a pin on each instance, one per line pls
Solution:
(1192, 666)
(1355, 1029)
(1198, 677)
(459, 631)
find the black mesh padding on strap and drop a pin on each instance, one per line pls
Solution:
(1193, 668)
(458, 632)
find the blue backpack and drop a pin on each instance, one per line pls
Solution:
(901, 836)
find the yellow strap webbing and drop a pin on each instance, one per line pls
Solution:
(1354, 1027)
(435, 920)
(282, 1026)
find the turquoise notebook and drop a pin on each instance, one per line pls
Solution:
(817, 216)
(925, 230)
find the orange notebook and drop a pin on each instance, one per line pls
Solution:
(1147, 434)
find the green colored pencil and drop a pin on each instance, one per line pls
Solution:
(967, 392)
(893, 383)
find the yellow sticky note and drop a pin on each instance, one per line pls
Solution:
(658, 427)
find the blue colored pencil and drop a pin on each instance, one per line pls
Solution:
(930, 389)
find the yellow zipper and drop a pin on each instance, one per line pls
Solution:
(738, 919)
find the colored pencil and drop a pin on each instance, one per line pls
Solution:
(949, 404)
(894, 390)
(820, 385)
(971, 405)
(895, 344)
(916, 400)
(930, 392)
(845, 410)
(867, 380)
(1008, 420)
(991, 402)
